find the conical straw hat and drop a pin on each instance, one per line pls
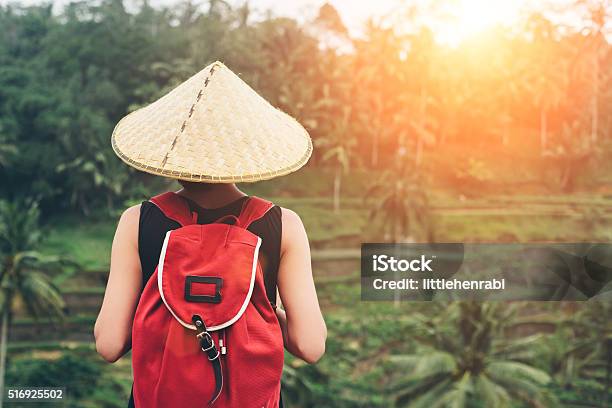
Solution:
(212, 128)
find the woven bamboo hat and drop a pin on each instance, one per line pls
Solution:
(212, 128)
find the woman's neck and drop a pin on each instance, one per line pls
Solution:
(211, 195)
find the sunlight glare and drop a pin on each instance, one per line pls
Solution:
(468, 18)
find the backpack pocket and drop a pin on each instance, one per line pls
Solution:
(202, 273)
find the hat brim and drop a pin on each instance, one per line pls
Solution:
(205, 178)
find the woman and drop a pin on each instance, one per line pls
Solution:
(208, 133)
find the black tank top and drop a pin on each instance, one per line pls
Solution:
(153, 226)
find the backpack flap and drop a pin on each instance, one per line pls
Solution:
(208, 271)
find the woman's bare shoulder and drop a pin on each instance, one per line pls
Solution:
(130, 215)
(131, 212)
(128, 223)
(294, 233)
(290, 216)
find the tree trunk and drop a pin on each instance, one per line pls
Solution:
(595, 99)
(83, 205)
(337, 185)
(423, 123)
(505, 124)
(397, 238)
(398, 232)
(567, 176)
(374, 159)
(419, 151)
(3, 341)
(543, 130)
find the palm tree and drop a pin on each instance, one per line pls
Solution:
(464, 360)
(401, 201)
(584, 348)
(512, 87)
(598, 15)
(24, 273)
(402, 204)
(338, 143)
(571, 152)
(377, 78)
(422, 58)
(7, 149)
(548, 95)
(550, 79)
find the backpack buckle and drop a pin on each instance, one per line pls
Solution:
(207, 344)
(206, 340)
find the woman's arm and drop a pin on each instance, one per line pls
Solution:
(304, 330)
(113, 329)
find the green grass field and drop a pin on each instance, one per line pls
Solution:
(562, 218)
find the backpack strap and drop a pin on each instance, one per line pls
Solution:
(207, 345)
(175, 207)
(253, 209)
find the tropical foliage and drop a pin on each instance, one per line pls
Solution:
(25, 282)
(466, 359)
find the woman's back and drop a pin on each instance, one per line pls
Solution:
(154, 224)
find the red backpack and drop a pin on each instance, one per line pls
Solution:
(204, 331)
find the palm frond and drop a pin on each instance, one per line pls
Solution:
(522, 381)
(40, 296)
(459, 395)
(431, 399)
(426, 364)
(411, 390)
(505, 369)
(491, 394)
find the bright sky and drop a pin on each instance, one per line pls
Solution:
(469, 17)
(463, 18)
(466, 17)
(352, 11)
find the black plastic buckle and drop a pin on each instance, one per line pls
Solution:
(213, 280)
